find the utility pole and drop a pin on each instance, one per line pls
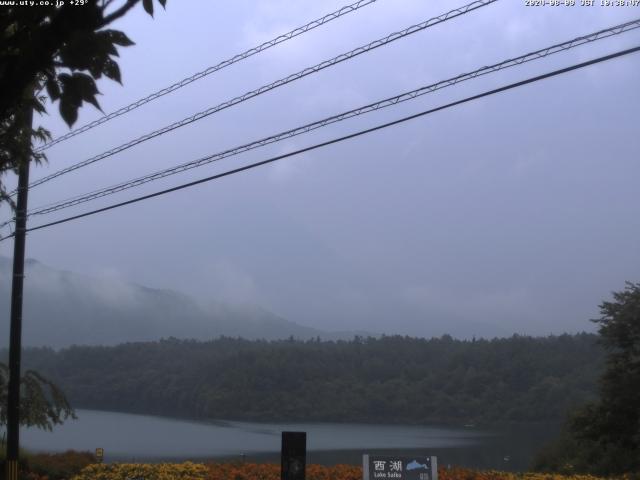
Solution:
(15, 335)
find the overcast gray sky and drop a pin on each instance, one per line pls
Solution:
(517, 213)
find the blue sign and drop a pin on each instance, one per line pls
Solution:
(399, 467)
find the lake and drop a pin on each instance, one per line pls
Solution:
(126, 437)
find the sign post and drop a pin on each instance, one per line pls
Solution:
(399, 467)
(99, 454)
(293, 455)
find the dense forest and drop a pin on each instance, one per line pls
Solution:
(389, 379)
(603, 437)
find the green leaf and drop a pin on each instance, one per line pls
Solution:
(119, 38)
(112, 70)
(41, 134)
(10, 30)
(76, 88)
(148, 6)
(68, 111)
(105, 45)
(95, 69)
(93, 101)
(38, 106)
(53, 89)
(64, 79)
(87, 88)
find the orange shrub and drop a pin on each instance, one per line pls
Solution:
(252, 471)
(256, 471)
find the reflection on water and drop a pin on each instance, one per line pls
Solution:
(127, 437)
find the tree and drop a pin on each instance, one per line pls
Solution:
(604, 437)
(42, 403)
(62, 50)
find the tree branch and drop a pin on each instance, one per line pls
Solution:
(118, 13)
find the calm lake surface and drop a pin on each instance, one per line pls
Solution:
(126, 437)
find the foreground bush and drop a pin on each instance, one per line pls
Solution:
(252, 471)
(467, 474)
(58, 466)
(219, 471)
(350, 472)
(144, 471)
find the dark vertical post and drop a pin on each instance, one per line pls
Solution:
(293, 456)
(15, 335)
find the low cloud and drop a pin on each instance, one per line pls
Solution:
(221, 280)
(495, 305)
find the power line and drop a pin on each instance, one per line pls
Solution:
(278, 83)
(208, 71)
(7, 224)
(538, 54)
(343, 138)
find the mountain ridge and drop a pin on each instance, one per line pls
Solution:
(64, 308)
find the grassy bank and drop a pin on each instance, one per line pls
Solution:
(249, 471)
(73, 465)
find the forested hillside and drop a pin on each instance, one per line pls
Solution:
(65, 308)
(391, 379)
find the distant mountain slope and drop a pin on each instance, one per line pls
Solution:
(64, 308)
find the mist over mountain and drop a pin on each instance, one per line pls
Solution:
(63, 308)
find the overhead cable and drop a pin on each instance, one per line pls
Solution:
(208, 71)
(278, 83)
(531, 56)
(343, 138)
